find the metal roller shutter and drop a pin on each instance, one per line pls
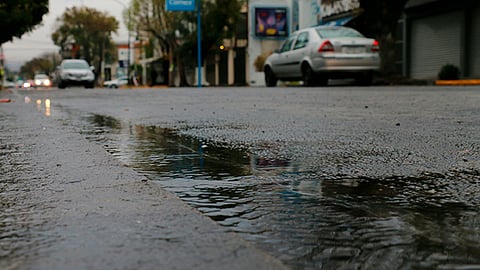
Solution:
(435, 41)
(474, 54)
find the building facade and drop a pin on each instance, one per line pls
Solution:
(434, 33)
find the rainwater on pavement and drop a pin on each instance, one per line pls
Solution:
(309, 220)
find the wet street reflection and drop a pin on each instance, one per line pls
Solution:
(310, 221)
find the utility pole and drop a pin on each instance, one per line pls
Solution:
(199, 44)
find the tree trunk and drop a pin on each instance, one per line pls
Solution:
(388, 54)
(171, 73)
(181, 72)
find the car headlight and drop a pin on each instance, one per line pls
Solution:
(47, 82)
(38, 82)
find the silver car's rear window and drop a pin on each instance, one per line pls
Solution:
(338, 32)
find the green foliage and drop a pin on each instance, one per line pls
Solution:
(89, 29)
(44, 64)
(176, 32)
(449, 72)
(19, 17)
(219, 21)
(149, 49)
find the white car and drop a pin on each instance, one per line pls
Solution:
(314, 55)
(41, 80)
(116, 82)
(75, 72)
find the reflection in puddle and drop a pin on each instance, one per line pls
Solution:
(162, 152)
(47, 107)
(39, 103)
(310, 222)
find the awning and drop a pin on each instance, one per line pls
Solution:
(415, 3)
(340, 21)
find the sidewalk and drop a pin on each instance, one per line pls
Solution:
(71, 205)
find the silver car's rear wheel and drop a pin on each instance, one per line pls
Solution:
(365, 79)
(62, 85)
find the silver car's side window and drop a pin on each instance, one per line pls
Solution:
(287, 46)
(302, 41)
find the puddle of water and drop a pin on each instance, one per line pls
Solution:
(308, 221)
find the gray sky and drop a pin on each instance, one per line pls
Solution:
(38, 41)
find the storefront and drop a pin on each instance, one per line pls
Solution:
(440, 33)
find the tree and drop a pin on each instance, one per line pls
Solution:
(43, 64)
(219, 21)
(89, 30)
(176, 31)
(19, 17)
(380, 19)
(148, 17)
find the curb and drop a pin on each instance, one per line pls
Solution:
(457, 82)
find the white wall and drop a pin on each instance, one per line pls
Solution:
(258, 46)
(309, 13)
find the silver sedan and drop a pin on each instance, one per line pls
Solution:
(314, 55)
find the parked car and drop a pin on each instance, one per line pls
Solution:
(115, 83)
(8, 84)
(41, 80)
(314, 55)
(75, 72)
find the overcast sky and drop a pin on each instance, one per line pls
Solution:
(39, 41)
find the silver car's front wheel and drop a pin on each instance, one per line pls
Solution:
(270, 78)
(308, 76)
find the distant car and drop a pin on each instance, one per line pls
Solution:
(314, 55)
(75, 72)
(41, 80)
(115, 83)
(28, 84)
(8, 84)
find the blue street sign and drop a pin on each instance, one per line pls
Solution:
(180, 5)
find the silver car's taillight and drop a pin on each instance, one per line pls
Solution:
(326, 46)
(375, 46)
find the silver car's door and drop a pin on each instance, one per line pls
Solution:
(298, 53)
(281, 62)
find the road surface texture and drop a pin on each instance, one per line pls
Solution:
(67, 204)
(378, 131)
(413, 151)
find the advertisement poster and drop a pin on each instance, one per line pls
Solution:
(271, 22)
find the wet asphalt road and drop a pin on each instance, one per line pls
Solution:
(372, 132)
(334, 132)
